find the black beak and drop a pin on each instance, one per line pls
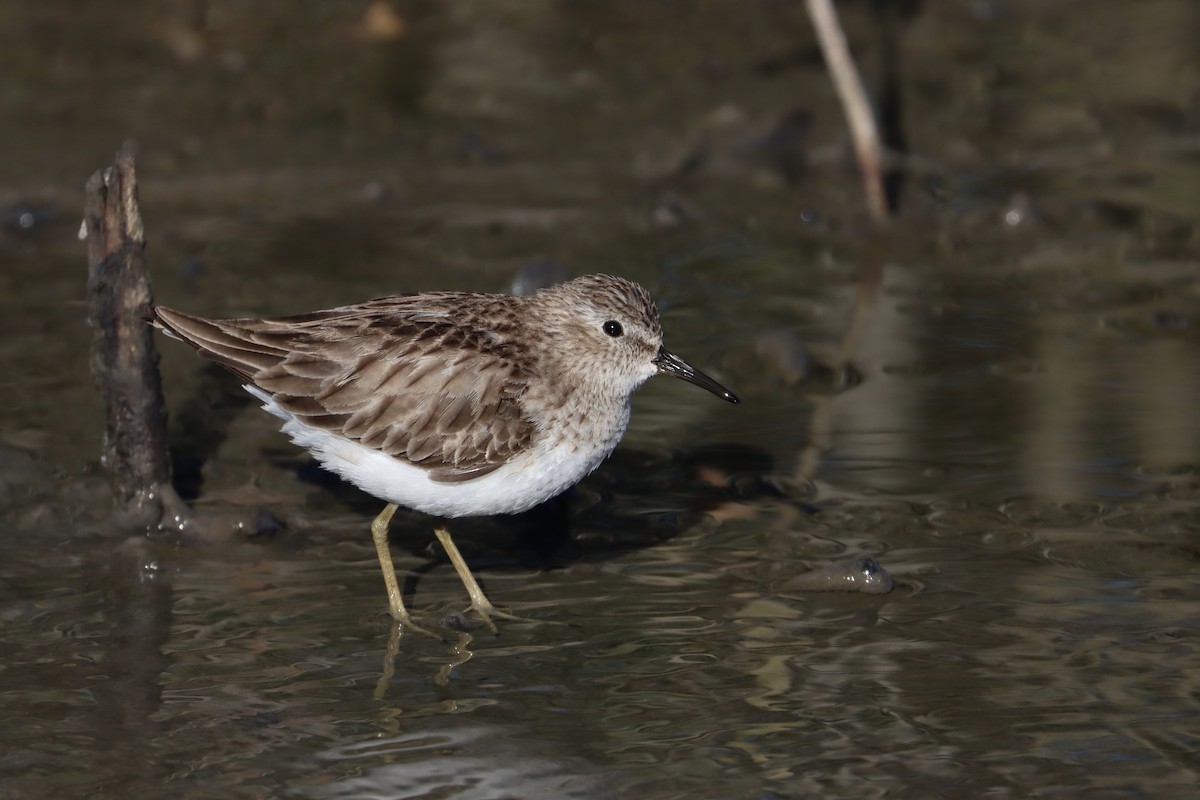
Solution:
(670, 364)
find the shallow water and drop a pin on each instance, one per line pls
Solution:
(996, 399)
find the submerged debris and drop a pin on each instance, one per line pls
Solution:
(857, 573)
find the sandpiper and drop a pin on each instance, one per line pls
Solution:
(452, 403)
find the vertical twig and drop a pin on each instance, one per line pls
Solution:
(853, 96)
(124, 362)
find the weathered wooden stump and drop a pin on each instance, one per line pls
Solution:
(124, 362)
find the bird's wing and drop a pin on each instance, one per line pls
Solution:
(406, 380)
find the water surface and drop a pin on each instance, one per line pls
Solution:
(996, 399)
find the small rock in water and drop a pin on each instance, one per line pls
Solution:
(261, 523)
(857, 573)
(24, 218)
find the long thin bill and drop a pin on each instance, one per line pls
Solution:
(670, 364)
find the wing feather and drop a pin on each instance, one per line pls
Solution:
(391, 374)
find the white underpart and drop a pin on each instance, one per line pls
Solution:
(531, 478)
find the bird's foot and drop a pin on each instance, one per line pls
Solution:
(483, 608)
(406, 624)
(479, 615)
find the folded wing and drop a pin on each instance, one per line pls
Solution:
(405, 380)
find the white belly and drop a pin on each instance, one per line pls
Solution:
(531, 478)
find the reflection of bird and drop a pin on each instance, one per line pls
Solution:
(452, 403)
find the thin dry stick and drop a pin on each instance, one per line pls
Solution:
(853, 95)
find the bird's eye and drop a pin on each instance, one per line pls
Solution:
(613, 328)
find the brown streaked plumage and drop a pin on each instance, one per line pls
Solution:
(452, 403)
(394, 374)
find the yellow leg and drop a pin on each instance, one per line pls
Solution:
(479, 600)
(379, 532)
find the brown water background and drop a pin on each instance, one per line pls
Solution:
(998, 399)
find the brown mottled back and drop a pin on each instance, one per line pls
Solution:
(427, 378)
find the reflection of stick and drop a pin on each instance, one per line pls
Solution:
(854, 100)
(124, 362)
(820, 428)
(865, 294)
